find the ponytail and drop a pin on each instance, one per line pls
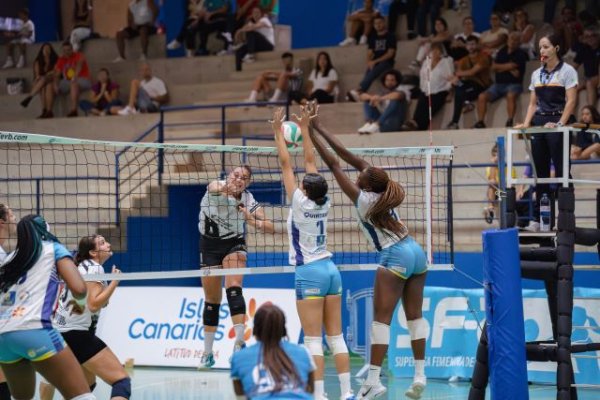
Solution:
(379, 214)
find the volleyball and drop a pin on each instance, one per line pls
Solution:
(291, 134)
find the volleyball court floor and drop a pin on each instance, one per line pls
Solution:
(189, 384)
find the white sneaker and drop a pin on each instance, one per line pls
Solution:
(118, 59)
(226, 51)
(533, 226)
(173, 45)
(371, 391)
(374, 128)
(227, 36)
(189, 53)
(365, 128)
(348, 396)
(363, 40)
(127, 111)
(416, 389)
(354, 95)
(21, 62)
(248, 58)
(349, 41)
(237, 46)
(9, 63)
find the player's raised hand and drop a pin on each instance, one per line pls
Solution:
(312, 107)
(278, 118)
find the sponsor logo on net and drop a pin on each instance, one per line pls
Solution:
(13, 137)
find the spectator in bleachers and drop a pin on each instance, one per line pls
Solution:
(385, 112)
(521, 24)
(21, 38)
(441, 35)
(458, 46)
(104, 96)
(257, 35)
(433, 83)
(509, 66)
(270, 8)
(361, 24)
(146, 95)
(494, 38)
(550, 9)
(587, 144)
(43, 79)
(73, 75)
(471, 78)
(431, 7)
(205, 17)
(567, 29)
(235, 20)
(82, 23)
(399, 7)
(381, 51)
(588, 55)
(288, 81)
(141, 15)
(322, 82)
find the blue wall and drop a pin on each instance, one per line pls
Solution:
(45, 14)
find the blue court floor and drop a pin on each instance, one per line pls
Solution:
(188, 384)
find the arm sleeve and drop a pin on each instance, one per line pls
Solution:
(61, 252)
(570, 78)
(235, 371)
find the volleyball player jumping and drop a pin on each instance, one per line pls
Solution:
(225, 210)
(403, 264)
(318, 281)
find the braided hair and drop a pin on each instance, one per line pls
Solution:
(392, 195)
(31, 231)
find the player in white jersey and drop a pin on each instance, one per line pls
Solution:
(8, 227)
(403, 264)
(318, 281)
(79, 331)
(225, 211)
(29, 283)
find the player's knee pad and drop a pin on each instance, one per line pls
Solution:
(121, 388)
(235, 299)
(210, 315)
(337, 344)
(314, 344)
(92, 387)
(86, 396)
(417, 329)
(380, 333)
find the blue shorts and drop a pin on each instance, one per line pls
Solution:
(405, 258)
(318, 279)
(498, 90)
(32, 345)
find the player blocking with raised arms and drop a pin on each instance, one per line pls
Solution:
(317, 280)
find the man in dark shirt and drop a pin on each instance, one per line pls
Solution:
(509, 66)
(588, 55)
(380, 56)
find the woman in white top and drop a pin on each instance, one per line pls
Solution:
(323, 81)
(434, 85)
(441, 35)
(318, 281)
(29, 283)
(79, 331)
(403, 264)
(141, 15)
(494, 38)
(257, 35)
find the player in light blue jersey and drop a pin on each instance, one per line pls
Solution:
(273, 368)
(318, 281)
(29, 283)
(403, 264)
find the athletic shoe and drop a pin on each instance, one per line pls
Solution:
(365, 128)
(374, 128)
(173, 45)
(509, 123)
(21, 62)
(127, 111)
(348, 396)
(25, 102)
(533, 226)
(206, 361)
(363, 40)
(118, 59)
(452, 125)
(349, 41)
(488, 214)
(353, 95)
(248, 58)
(237, 46)
(9, 63)
(416, 389)
(479, 125)
(371, 391)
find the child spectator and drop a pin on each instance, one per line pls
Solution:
(441, 35)
(141, 15)
(323, 81)
(587, 144)
(43, 79)
(458, 46)
(509, 66)
(21, 38)
(588, 55)
(146, 95)
(73, 75)
(521, 24)
(433, 83)
(471, 78)
(82, 23)
(492, 175)
(104, 96)
(495, 37)
(288, 80)
(361, 24)
(381, 52)
(258, 35)
(385, 112)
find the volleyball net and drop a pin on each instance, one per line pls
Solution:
(144, 198)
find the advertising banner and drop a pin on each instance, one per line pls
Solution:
(454, 318)
(162, 326)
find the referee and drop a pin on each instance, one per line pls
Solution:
(551, 104)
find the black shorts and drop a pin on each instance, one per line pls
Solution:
(84, 344)
(213, 251)
(134, 31)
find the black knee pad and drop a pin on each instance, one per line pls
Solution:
(92, 387)
(4, 392)
(210, 315)
(121, 388)
(235, 298)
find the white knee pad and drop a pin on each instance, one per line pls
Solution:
(380, 333)
(417, 329)
(86, 396)
(337, 344)
(314, 344)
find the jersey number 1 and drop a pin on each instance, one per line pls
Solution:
(321, 237)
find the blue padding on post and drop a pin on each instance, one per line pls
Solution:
(504, 313)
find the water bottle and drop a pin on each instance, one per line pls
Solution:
(545, 213)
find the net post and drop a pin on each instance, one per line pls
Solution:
(428, 205)
(502, 181)
(117, 192)
(37, 196)
(161, 151)
(223, 140)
